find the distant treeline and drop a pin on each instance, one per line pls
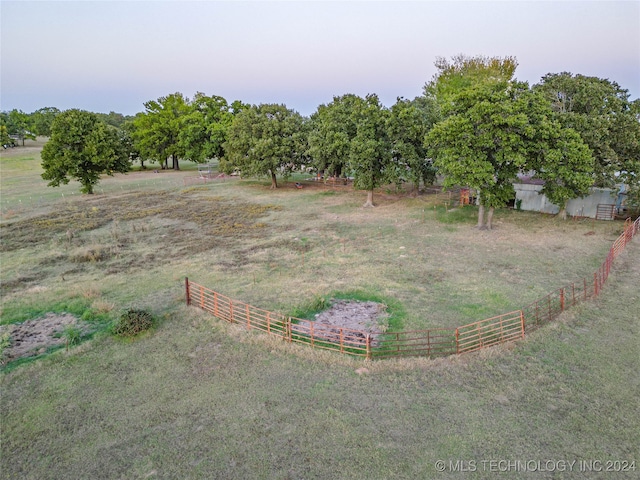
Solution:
(475, 125)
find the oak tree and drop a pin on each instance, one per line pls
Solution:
(157, 130)
(370, 157)
(408, 123)
(81, 147)
(267, 139)
(602, 113)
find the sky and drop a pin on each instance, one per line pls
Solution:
(107, 56)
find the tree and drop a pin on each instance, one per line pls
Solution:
(157, 130)
(265, 140)
(5, 139)
(370, 157)
(465, 72)
(204, 129)
(114, 119)
(82, 147)
(494, 128)
(561, 159)
(601, 112)
(408, 123)
(127, 133)
(18, 125)
(332, 128)
(350, 136)
(483, 144)
(42, 119)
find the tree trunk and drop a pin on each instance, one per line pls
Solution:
(274, 182)
(481, 217)
(369, 202)
(563, 214)
(176, 164)
(490, 218)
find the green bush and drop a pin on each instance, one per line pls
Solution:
(133, 322)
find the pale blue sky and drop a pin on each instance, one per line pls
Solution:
(109, 55)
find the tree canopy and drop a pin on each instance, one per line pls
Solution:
(408, 123)
(462, 72)
(204, 128)
(332, 129)
(607, 121)
(177, 128)
(267, 139)
(370, 157)
(156, 132)
(495, 128)
(42, 119)
(17, 124)
(82, 147)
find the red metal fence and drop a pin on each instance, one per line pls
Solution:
(436, 342)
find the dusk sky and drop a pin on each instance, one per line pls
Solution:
(113, 56)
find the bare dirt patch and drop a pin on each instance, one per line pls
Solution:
(34, 337)
(368, 318)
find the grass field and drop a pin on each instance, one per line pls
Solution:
(195, 398)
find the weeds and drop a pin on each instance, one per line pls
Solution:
(72, 335)
(5, 342)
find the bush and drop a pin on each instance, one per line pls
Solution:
(133, 322)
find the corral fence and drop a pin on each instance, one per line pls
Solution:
(437, 342)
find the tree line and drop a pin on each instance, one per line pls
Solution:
(475, 124)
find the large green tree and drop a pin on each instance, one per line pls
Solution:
(495, 127)
(267, 139)
(483, 144)
(370, 157)
(332, 128)
(408, 123)
(559, 157)
(157, 130)
(81, 147)
(204, 129)
(602, 113)
(350, 136)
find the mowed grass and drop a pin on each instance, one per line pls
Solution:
(196, 398)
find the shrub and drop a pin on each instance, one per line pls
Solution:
(133, 322)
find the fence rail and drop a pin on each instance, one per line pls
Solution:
(437, 342)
